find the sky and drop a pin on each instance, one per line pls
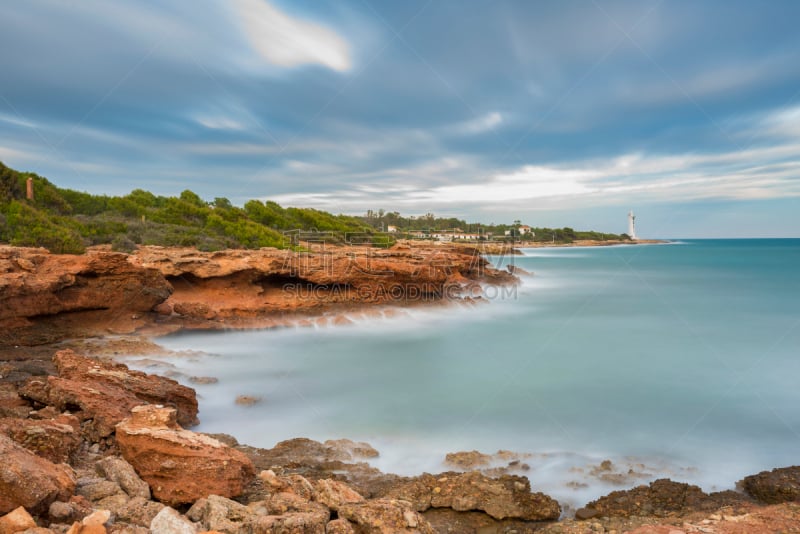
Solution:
(563, 113)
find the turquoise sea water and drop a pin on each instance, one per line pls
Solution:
(683, 357)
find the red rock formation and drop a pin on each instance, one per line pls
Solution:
(179, 465)
(31, 481)
(239, 284)
(149, 388)
(54, 439)
(47, 297)
(105, 393)
(94, 292)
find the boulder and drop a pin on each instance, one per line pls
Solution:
(139, 511)
(294, 483)
(105, 393)
(93, 523)
(31, 481)
(60, 512)
(96, 490)
(55, 439)
(221, 514)
(11, 404)
(284, 502)
(467, 460)
(169, 521)
(98, 404)
(179, 465)
(283, 512)
(114, 503)
(118, 470)
(346, 449)
(508, 496)
(661, 498)
(151, 389)
(381, 516)
(773, 487)
(17, 520)
(333, 493)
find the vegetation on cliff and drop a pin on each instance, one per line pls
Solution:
(67, 221)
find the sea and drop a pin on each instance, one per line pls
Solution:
(678, 360)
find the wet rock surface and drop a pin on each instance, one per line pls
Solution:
(505, 497)
(660, 499)
(773, 487)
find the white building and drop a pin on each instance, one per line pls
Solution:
(631, 225)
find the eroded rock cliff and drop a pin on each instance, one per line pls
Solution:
(47, 297)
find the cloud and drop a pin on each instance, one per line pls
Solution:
(220, 123)
(768, 172)
(782, 123)
(481, 124)
(290, 42)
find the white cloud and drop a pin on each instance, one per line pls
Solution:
(783, 123)
(220, 123)
(755, 174)
(16, 121)
(527, 183)
(12, 156)
(289, 42)
(480, 124)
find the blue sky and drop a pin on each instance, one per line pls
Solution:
(556, 113)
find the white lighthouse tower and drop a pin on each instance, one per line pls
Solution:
(631, 225)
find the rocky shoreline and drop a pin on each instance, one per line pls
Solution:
(89, 445)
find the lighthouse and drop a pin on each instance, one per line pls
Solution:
(631, 225)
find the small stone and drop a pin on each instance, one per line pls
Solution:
(99, 490)
(203, 380)
(139, 511)
(119, 471)
(100, 517)
(333, 493)
(169, 521)
(16, 520)
(248, 400)
(585, 513)
(114, 503)
(60, 511)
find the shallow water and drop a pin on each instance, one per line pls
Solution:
(681, 357)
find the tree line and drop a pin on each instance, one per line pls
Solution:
(67, 221)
